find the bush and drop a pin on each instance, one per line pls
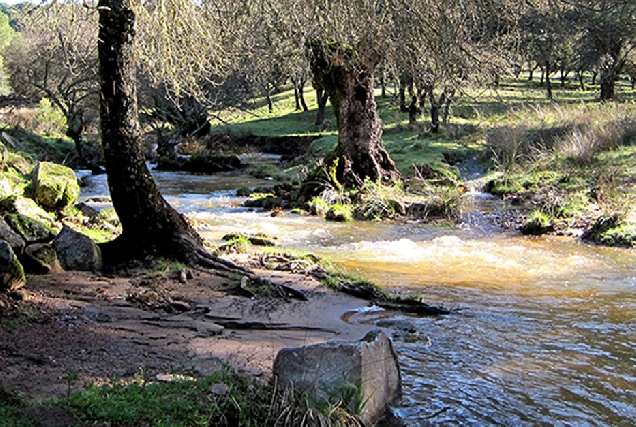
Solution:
(49, 119)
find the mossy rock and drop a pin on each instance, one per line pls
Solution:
(254, 239)
(267, 202)
(31, 230)
(244, 192)
(55, 187)
(6, 190)
(27, 207)
(11, 271)
(41, 258)
(610, 231)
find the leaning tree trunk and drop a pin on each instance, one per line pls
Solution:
(348, 79)
(150, 225)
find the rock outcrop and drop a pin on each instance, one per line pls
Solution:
(363, 375)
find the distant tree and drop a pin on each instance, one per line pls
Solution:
(7, 33)
(547, 38)
(55, 56)
(608, 37)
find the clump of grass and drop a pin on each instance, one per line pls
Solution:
(224, 398)
(509, 147)
(10, 407)
(238, 243)
(376, 201)
(624, 234)
(340, 212)
(164, 268)
(302, 409)
(318, 206)
(537, 223)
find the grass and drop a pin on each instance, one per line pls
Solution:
(224, 398)
(236, 400)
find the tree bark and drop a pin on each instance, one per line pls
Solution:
(435, 106)
(581, 81)
(150, 225)
(301, 94)
(321, 97)
(296, 95)
(413, 111)
(347, 77)
(609, 73)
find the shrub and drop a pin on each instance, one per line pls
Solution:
(509, 147)
(49, 119)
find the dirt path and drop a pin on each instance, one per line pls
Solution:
(94, 328)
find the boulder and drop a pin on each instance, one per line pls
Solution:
(41, 258)
(55, 186)
(31, 230)
(27, 207)
(11, 271)
(76, 251)
(7, 234)
(363, 375)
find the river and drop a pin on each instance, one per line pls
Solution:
(546, 328)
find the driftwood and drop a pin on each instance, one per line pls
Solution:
(413, 307)
(239, 325)
(372, 293)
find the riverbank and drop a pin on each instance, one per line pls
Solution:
(105, 327)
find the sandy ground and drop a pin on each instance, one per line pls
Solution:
(93, 328)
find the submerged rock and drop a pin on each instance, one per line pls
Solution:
(363, 375)
(55, 186)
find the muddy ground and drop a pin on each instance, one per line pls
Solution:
(75, 327)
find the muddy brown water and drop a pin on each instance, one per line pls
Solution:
(547, 328)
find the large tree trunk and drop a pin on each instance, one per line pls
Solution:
(348, 79)
(150, 225)
(610, 71)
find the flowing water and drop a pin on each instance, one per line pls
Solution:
(546, 333)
